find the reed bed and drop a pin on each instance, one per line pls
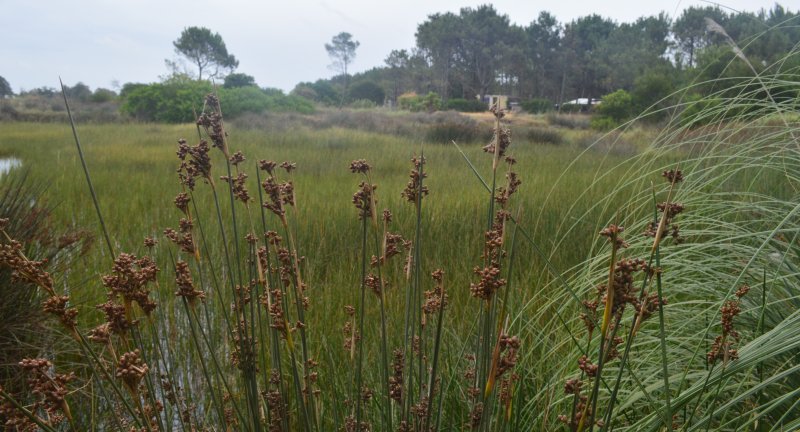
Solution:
(538, 287)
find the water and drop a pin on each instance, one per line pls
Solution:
(6, 164)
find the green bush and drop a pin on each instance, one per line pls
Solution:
(239, 80)
(101, 95)
(615, 109)
(465, 105)
(537, 106)
(415, 103)
(321, 91)
(177, 101)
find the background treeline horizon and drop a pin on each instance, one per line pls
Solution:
(479, 51)
(461, 57)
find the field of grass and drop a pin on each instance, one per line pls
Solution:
(741, 222)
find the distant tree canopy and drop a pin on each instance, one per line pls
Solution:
(239, 80)
(207, 51)
(342, 51)
(5, 88)
(479, 51)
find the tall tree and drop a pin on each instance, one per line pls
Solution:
(207, 51)
(438, 39)
(5, 88)
(342, 51)
(691, 33)
(582, 38)
(543, 48)
(397, 61)
(487, 40)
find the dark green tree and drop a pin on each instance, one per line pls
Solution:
(342, 51)
(438, 39)
(5, 88)
(207, 51)
(79, 91)
(397, 62)
(543, 50)
(367, 90)
(691, 34)
(235, 80)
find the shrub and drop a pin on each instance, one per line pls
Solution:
(320, 91)
(569, 121)
(615, 109)
(465, 105)
(412, 102)
(174, 101)
(537, 106)
(363, 104)
(239, 80)
(367, 90)
(544, 136)
(101, 95)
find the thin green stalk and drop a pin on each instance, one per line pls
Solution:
(86, 173)
(359, 364)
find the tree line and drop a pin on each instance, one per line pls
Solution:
(479, 51)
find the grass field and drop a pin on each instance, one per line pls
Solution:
(739, 199)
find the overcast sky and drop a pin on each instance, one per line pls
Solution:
(280, 43)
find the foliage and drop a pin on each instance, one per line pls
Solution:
(5, 88)
(30, 220)
(367, 90)
(415, 103)
(206, 50)
(465, 105)
(239, 80)
(320, 91)
(176, 101)
(102, 95)
(650, 92)
(79, 92)
(171, 101)
(537, 106)
(615, 109)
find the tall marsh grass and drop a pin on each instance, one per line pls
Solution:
(280, 300)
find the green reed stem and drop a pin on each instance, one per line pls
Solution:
(357, 390)
(86, 173)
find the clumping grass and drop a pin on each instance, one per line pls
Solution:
(285, 301)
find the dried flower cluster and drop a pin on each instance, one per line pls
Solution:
(279, 194)
(186, 288)
(195, 162)
(131, 369)
(415, 190)
(363, 199)
(238, 184)
(436, 298)
(212, 124)
(49, 389)
(722, 349)
(129, 280)
(182, 238)
(502, 135)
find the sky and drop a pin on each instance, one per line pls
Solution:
(106, 43)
